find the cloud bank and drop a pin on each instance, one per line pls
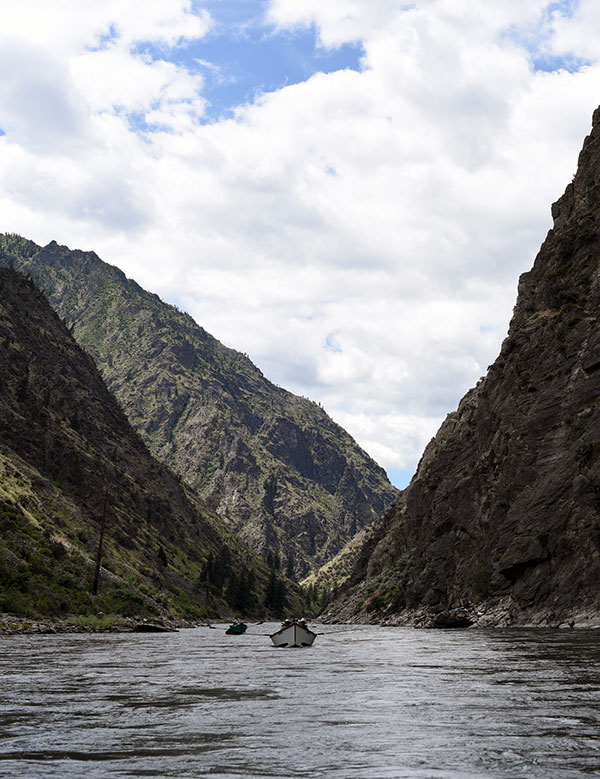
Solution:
(360, 233)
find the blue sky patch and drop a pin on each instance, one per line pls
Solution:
(566, 8)
(137, 123)
(552, 64)
(331, 345)
(2, 132)
(399, 478)
(243, 57)
(534, 40)
(236, 71)
(107, 38)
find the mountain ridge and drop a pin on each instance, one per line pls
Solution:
(271, 464)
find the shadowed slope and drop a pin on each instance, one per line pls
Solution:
(71, 462)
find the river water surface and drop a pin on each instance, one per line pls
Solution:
(368, 703)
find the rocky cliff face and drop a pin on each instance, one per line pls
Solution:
(70, 465)
(271, 464)
(501, 524)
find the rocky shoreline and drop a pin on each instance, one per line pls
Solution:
(11, 624)
(496, 613)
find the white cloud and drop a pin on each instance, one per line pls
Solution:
(345, 21)
(38, 102)
(71, 26)
(114, 78)
(337, 21)
(576, 34)
(391, 438)
(360, 235)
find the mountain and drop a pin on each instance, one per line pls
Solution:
(73, 469)
(501, 523)
(273, 465)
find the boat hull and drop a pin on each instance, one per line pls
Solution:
(293, 635)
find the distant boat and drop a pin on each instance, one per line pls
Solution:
(236, 629)
(293, 632)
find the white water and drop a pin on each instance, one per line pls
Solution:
(370, 703)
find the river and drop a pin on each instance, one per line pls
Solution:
(366, 703)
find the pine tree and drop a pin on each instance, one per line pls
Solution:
(276, 594)
(289, 572)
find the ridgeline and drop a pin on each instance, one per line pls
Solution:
(272, 465)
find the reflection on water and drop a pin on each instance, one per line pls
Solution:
(370, 703)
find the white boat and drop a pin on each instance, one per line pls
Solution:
(293, 632)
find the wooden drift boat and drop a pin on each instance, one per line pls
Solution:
(236, 629)
(293, 632)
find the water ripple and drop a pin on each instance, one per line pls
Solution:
(378, 703)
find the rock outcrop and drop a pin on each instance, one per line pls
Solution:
(501, 523)
(273, 465)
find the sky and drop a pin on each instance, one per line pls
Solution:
(347, 190)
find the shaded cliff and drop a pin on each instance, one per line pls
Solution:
(501, 523)
(271, 464)
(72, 467)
